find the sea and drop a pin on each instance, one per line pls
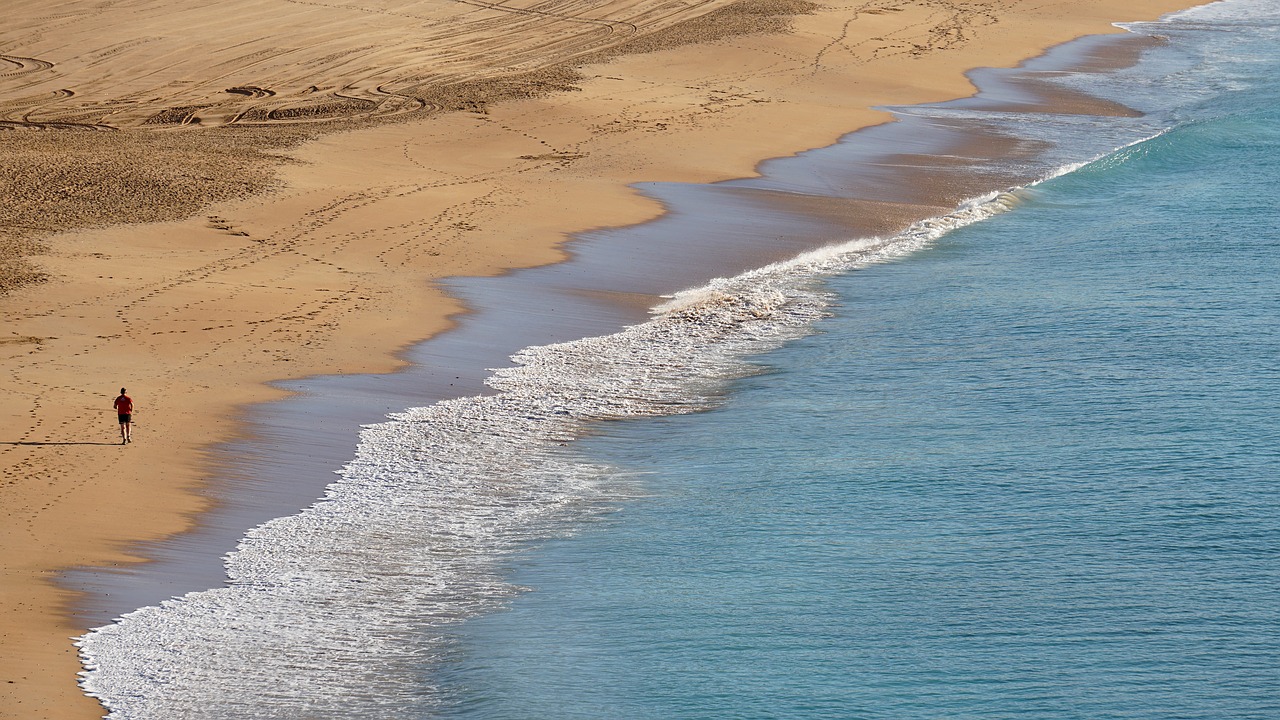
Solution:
(1019, 460)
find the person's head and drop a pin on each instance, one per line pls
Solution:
(121, 391)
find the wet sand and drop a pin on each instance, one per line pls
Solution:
(331, 219)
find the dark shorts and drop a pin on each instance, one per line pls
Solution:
(126, 417)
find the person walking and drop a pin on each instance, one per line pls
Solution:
(124, 408)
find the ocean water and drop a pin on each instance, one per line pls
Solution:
(1018, 461)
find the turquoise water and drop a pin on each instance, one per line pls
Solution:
(1028, 472)
(1017, 461)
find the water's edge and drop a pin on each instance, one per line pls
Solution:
(428, 474)
(852, 189)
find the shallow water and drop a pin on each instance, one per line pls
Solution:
(1030, 471)
(1005, 463)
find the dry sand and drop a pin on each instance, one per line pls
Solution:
(306, 169)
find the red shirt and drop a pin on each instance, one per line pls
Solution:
(124, 405)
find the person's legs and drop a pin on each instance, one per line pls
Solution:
(128, 435)
(124, 435)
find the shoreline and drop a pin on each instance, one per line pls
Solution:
(615, 205)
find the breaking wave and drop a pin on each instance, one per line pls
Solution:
(337, 610)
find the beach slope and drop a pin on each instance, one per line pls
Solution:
(199, 200)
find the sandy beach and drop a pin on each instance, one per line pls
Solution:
(200, 201)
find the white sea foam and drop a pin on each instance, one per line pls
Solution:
(333, 612)
(1222, 12)
(336, 611)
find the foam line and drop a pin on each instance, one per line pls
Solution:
(322, 608)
